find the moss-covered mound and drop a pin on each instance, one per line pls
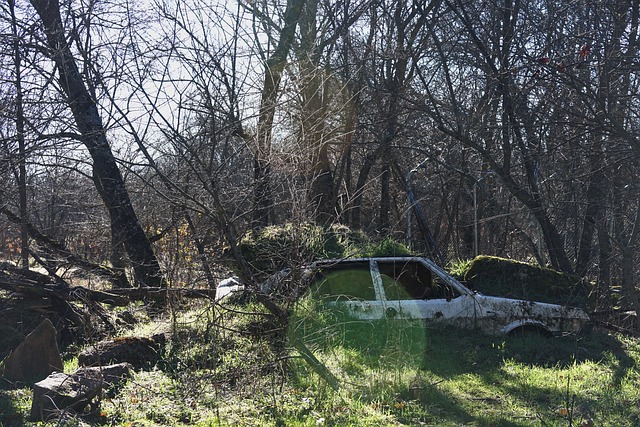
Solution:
(515, 279)
(270, 249)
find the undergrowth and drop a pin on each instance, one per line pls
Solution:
(230, 366)
(273, 248)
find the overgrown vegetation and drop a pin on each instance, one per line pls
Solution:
(227, 366)
(231, 364)
(272, 248)
(417, 375)
(213, 118)
(515, 279)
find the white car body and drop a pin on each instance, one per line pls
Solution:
(413, 280)
(227, 287)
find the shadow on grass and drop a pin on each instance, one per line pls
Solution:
(451, 353)
(10, 413)
(457, 353)
(461, 351)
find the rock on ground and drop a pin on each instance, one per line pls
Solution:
(36, 357)
(138, 351)
(61, 394)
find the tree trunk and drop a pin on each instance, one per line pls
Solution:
(628, 283)
(594, 201)
(20, 136)
(604, 263)
(272, 75)
(363, 176)
(627, 242)
(314, 111)
(106, 175)
(385, 195)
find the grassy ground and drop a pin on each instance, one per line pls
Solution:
(222, 368)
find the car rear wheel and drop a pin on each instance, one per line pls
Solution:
(530, 330)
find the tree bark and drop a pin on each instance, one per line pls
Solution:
(594, 201)
(627, 242)
(20, 136)
(106, 175)
(356, 209)
(272, 76)
(605, 252)
(314, 113)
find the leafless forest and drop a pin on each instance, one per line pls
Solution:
(148, 137)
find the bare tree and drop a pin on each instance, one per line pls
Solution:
(106, 174)
(274, 64)
(20, 134)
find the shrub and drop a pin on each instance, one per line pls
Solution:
(273, 248)
(514, 279)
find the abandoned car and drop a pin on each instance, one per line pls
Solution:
(416, 288)
(228, 287)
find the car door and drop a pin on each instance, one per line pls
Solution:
(410, 290)
(353, 289)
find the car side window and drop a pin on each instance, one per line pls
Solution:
(346, 284)
(442, 290)
(392, 289)
(412, 281)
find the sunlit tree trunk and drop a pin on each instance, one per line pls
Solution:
(314, 113)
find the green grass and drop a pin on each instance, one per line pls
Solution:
(414, 374)
(222, 368)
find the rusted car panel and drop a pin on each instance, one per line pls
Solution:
(503, 315)
(416, 288)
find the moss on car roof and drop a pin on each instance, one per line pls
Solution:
(515, 279)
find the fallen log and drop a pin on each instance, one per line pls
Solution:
(159, 294)
(58, 248)
(32, 284)
(28, 296)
